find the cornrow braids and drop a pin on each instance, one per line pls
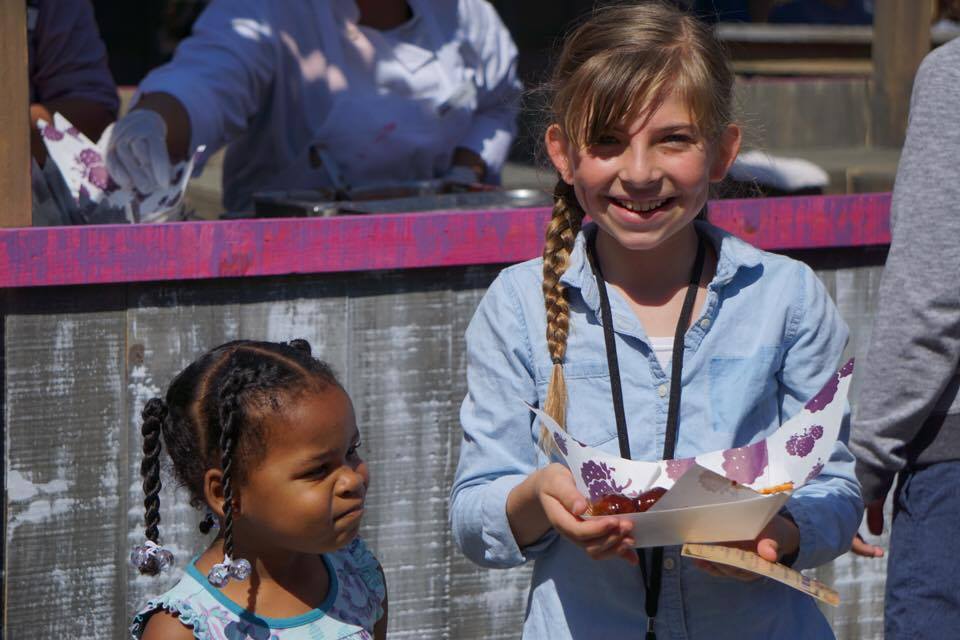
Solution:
(231, 414)
(560, 235)
(154, 415)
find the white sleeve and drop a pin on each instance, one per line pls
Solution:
(223, 71)
(498, 89)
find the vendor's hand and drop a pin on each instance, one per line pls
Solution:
(779, 538)
(137, 155)
(601, 538)
(875, 524)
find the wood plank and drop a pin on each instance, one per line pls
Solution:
(242, 248)
(67, 444)
(901, 40)
(14, 117)
(482, 603)
(853, 283)
(396, 339)
(399, 376)
(789, 115)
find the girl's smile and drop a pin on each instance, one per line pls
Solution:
(637, 211)
(644, 182)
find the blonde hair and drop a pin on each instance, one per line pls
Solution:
(619, 66)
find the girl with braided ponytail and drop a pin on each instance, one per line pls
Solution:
(264, 439)
(650, 334)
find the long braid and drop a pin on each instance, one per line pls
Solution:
(154, 414)
(561, 232)
(230, 418)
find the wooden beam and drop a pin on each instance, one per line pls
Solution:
(105, 254)
(901, 38)
(14, 117)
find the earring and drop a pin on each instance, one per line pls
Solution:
(209, 522)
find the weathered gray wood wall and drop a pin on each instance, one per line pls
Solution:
(79, 363)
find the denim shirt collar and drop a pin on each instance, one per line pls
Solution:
(733, 254)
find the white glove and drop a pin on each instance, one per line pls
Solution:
(137, 155)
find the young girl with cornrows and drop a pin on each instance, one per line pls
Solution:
(264, 438)
(649, 334)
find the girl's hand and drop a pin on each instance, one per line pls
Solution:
(779, 538)
(549, 498)
(563, 505)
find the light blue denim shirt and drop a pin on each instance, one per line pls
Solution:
(767, 340)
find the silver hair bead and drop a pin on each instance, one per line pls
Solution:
(151, 555)
(223, 572)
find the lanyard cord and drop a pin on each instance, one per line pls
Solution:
(653, 580)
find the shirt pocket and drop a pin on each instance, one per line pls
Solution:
(590, 416)
(743, 389)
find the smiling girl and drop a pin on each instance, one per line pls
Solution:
(650, 334)
(264, 437)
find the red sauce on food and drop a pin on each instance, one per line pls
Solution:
(612, 505)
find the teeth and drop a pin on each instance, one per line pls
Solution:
(642, 207)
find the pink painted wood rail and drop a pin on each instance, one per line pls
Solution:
(35, 257)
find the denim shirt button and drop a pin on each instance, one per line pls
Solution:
(662, 391)
(705, 323)
(668, 564)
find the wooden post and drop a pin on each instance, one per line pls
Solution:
(901, 38)
(14, 117)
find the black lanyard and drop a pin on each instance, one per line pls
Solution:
(653, 579)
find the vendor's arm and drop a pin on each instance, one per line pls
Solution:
(69, 72)
(498, 90)
(827, 510)
(176, 119)
(218, 78)
(909, 375)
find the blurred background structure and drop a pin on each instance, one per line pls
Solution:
(827, 81)
(85, 338)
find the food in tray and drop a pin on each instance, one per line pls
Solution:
(613, 504)
(777, 488)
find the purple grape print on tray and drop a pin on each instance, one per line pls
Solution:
(599, 480)
(90, 158)
(817, 468)
(676, 468)
(561, 442)
(51, 133)
(745, 464)
(847, 369)
(801, 444)
(823, 398)
(98, 176)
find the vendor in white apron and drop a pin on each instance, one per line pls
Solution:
(328, 94)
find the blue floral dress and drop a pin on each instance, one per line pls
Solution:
(352, 607)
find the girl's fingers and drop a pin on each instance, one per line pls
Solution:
(768, 549)
(607, 546)
(629, 553)
(557, 483)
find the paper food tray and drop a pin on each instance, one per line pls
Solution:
(716, 496)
